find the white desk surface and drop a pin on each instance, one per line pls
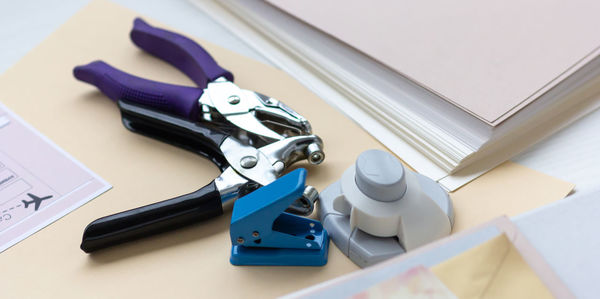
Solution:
(565, 233)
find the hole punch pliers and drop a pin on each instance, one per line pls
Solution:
(252, 138)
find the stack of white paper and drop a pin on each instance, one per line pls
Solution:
(453, 89)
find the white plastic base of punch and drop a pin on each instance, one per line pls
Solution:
(378, 209)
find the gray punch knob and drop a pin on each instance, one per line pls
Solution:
(380, 176)
(379, 209)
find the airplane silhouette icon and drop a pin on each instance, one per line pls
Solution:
(36, 200)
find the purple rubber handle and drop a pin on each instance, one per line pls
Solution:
(177, 100)
(180, 51)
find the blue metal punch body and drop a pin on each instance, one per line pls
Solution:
(263, 234)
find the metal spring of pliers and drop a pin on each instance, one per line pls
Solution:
(251, 137)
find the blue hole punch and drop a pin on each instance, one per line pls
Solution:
(262, 234)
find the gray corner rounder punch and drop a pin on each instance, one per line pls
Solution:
(379, 209)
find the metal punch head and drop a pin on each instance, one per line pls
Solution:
(252, 112)
(283, 153)
(281, 118)
(293, 149)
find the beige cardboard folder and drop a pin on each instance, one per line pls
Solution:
(416, 283)
(489, 59)
(494, 269)
(191, 262)
(494, 260)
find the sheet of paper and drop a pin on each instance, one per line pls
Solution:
(416, 283)
(489, 59)
(494, 243)
(504, 191)
(39, 182)
(85, 123)
(493, 269)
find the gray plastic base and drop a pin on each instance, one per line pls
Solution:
(362, 248)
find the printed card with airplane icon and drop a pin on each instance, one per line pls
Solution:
(39, 182)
